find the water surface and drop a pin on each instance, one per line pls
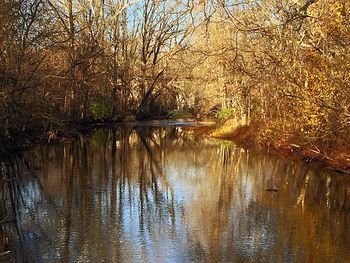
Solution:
(160, 194)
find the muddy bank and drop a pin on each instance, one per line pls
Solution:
(332, 155)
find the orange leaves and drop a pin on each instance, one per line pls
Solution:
(332, 19)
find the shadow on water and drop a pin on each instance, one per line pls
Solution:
(131, 194)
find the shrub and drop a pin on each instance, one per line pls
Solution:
(225, 113)
(100, 110)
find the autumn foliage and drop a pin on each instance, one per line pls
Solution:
(282, 64)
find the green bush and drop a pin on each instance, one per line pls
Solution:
(100, 110)
(225, 113)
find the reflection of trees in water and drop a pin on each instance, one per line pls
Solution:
(128, 192)
(241, 196)
(17, 193)
(98, 180)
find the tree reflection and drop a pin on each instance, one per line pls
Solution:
(145, 193)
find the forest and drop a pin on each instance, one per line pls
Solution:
(281, 67)
(174, 130)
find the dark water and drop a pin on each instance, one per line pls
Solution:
(152, 194)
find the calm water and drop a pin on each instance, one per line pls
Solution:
(159, 194)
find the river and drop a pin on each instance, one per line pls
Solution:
(160, 194)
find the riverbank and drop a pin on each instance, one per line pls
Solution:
(331, 154)
(73, 131)
(335, 156)
(34, 137)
